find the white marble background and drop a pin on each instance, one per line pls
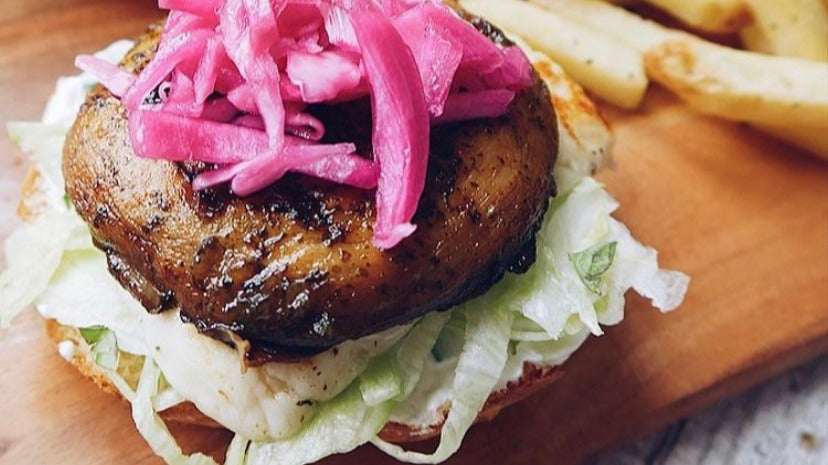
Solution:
(783, 422)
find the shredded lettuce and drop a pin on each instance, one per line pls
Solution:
(93, 334)
(555, 308)
(340, 425)
(586, 262)
(591, 264)
(41, 141)
(450, 341)
(478, 369)
(105, 351)
(145, 414)
(261, 403)
(395, 374)
(381, 382)
(103, 346)
(167, 398)
(150, 425)
(237, 451)
(33, 254)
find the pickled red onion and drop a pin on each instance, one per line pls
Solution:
(483, 104)
(231, 82)
(401, 140)
(111, 76)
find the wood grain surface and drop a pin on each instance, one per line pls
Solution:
(745, 216)
(783, 421)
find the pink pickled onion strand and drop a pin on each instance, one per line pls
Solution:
(483, 104)
(300, 20)
(479, 53)
(111, 76)
(218, 176)
(394, 8)
(308, 44)
(191, 139)
(301, 124)
(232, 80)
(207, 73)
(351, 170)
(515, 74)
(290, 91)
(437, 56)
(180, 21)
(228, 77)
(332, 163)
(263, 171)
(181, 99)
(401, 125)
(322, 77)
(250, 121)
(234, 145)
(339, 29)
(220, 110)
(170, 53)
(247, 33)
(243, 98)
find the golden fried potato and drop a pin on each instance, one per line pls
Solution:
(786, 97)
(742, 86)
(795, 28)
(716, 16)
(604, 19)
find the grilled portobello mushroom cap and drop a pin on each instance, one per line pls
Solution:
(291, 270)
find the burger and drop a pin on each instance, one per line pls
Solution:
(319, 224)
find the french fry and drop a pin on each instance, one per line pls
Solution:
(785, 97)
(742, 86)
(602, 18)
(795, 28)
(715, 16)
(609, 69)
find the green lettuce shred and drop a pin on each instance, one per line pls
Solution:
(479, 368)
(33, 254)
(152, 428)
(340, 425)
(104, 349)
(93, 334)
(395, 374)
(591, 264)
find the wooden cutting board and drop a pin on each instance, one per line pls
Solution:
(745, 216)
